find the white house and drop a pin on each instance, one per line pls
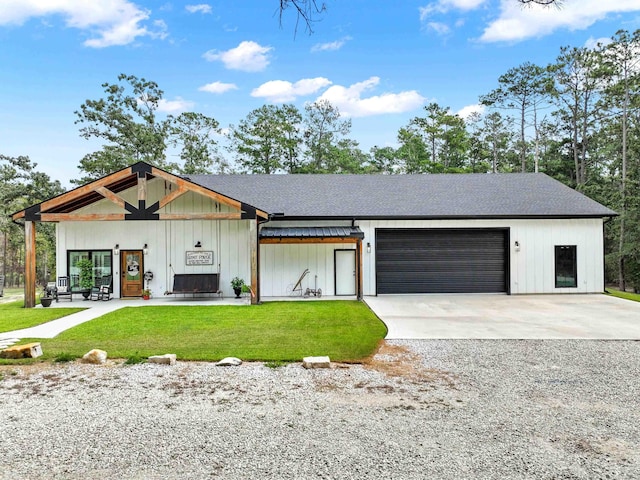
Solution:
(355, 234)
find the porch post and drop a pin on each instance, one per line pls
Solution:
(29, 264)
(359, 269)
(253, 235)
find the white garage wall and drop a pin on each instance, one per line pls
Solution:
(531, 268)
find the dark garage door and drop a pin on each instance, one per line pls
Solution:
(441, 261)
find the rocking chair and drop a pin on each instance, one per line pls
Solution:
(102, 291)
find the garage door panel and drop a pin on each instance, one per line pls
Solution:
(441, 261)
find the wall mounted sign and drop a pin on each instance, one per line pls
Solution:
(199, 258)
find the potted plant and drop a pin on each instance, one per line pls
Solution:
(46, 297)
(146, 294)
(86, 276)
(236, 284)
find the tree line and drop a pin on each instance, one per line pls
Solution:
(576, 119)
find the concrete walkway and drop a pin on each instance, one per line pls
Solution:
(477, 316)
(97, 309)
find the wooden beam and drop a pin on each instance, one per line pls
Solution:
(78, 192)
(172, 196)
(142, 188)
(30, 264)
(109, 195)
(199, 216)
(81, 217)
(182, 183)
(359, 269)
(253, 248)
(19, 215)
(287, 240)
(112, 217)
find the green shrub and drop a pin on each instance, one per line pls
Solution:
(275, 364)
(64, 357)
(135, 359)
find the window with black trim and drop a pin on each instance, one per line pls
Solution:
(566, 266)
(101, 259)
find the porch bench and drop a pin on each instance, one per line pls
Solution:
(196, 283)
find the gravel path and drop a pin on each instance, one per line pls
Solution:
(422, 409)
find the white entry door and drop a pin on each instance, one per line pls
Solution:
(345, 270)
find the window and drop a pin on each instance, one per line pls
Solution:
(101, 265)
(566, 266)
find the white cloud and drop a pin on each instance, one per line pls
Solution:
(516, 23)
(466, 112)
(439, 28)
(247, 56)
(173, 106)
(218, 87)
(350, 102)
(593, 43)
(283, 91)
(114, 22)
(337, 45)
(200, 8)
(444, 6)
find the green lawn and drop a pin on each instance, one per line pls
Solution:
(274, 331)
(626, 295)
(13, 315)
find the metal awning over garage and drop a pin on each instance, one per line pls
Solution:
(311, 235)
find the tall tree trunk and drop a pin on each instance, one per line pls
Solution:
(523, 148)
(536, 153)
(576, 157)
(494, 161)
(623, 187)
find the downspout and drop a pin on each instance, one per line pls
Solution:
(604, 254)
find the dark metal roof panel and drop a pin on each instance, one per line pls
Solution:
(438, 196)
(311, 232)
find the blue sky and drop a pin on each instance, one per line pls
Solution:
(380, 62)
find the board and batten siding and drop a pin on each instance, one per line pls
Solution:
(168, 241)
(282, 265)
(532, 268)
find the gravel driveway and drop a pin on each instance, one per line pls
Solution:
(440, 409)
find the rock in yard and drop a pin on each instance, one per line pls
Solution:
(316, 362)
(166, 359)
(28, 350)
(229, 362)
(95, 356)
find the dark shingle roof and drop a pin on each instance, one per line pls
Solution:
(418, 196)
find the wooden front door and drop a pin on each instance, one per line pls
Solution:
(131, 269)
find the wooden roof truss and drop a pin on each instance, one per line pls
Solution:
(63, 208)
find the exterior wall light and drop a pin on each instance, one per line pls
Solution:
(517, 246)
(368, 247)
(116, 249)
(198, 244)
(145, 249)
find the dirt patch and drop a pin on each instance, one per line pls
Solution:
(399, 361)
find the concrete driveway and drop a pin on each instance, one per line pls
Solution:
(481, 316)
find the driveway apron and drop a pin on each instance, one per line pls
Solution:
(479, 316)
